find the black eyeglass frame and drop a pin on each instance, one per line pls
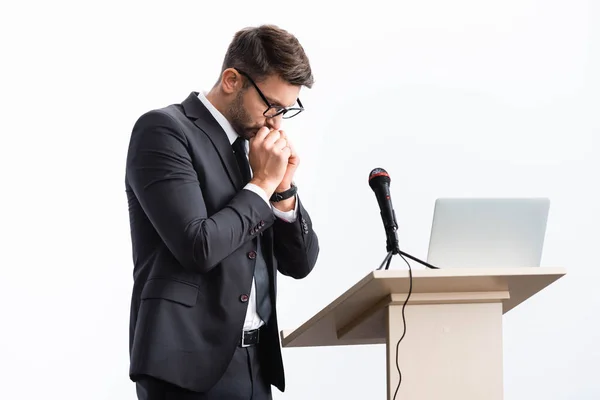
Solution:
(278, 109)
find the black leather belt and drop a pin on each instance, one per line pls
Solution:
(250, 338)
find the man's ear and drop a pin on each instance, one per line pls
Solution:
(231, 81)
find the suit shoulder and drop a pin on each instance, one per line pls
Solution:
(169, 116)
(159, 128)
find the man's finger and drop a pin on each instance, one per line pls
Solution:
(286, 151)
(271, 138)
(280, 144)
(292, 149)
(261, 134)
(289, 144)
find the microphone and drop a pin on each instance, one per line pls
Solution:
(379, 181)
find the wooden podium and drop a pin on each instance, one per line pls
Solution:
(452, 348)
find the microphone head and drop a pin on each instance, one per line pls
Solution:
(378, 176)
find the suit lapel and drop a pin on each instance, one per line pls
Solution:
(195, 110)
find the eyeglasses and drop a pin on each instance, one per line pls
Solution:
(273, 110)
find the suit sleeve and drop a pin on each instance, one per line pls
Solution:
(160, 172)
(296, 245)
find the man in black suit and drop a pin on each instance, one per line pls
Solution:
(214, 215)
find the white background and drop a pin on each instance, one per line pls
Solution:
(453, 98)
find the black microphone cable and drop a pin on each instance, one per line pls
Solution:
(386, 262)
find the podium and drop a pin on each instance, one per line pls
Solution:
(452, 348)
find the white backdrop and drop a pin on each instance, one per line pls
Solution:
(461, 98)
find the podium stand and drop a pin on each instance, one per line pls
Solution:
(452, 348)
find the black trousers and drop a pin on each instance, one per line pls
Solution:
(243, 380)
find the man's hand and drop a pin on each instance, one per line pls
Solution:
(268, 157)
(292, 164)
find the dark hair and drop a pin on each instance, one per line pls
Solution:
(269, 50)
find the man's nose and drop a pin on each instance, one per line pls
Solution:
(275, 122)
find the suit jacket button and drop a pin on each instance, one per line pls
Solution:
(252, 255)
(262, 223)
(244, 298)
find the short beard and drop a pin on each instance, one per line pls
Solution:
(239, 118)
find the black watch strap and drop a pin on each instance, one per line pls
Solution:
(284, 195)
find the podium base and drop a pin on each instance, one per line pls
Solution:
(452, 348)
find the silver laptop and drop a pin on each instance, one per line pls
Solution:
(488, 232)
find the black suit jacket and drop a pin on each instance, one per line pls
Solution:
(192, 229)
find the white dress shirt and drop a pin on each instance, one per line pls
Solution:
(252, 321)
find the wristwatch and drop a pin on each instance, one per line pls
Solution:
(285, 194)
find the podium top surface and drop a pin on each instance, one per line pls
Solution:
(377, 286)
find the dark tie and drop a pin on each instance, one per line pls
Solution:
(261, 275)
(239, 149)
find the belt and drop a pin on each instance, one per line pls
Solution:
(250, 338)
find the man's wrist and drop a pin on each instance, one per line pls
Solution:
(283, 187)
(284, 192)
(285, 205)
(268, 187)
(284, 198)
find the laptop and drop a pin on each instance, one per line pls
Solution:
(488, 232)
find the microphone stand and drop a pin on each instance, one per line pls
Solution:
(393, 248)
